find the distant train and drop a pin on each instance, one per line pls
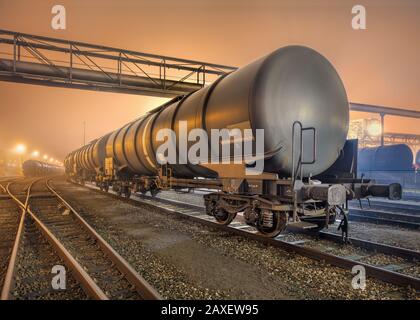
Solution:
(390, 163)
(386, 163)
(417, 161)
(295, 96)
(392, 158)
(35, 168)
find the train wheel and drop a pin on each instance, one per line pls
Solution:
(224, 217)
(127, 193)
(106, 187)
(154, 192)
(272, 223)
(210, 207)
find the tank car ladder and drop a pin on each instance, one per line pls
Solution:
(297, 171)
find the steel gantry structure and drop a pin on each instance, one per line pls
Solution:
(48, 61)
(32, 59)
(383, 111)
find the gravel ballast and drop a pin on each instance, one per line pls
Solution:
(187, 260)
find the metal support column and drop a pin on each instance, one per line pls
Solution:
(382, 127)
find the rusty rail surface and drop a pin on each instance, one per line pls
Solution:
(8, 280)
(88, 284)
(145, 290)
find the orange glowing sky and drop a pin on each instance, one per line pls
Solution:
(379, 65)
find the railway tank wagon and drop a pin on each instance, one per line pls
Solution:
(293, 94)
(417, 159)
(396, 157)
(389, 163)
(34, 168)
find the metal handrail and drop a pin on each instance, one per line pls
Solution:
(300, 162)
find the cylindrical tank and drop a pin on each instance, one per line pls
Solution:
(396, 157)
(294, 83)
(98, 151)
(34, 168)
(418, 159)
(89, 156)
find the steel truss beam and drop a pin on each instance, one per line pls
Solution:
(383, 111)
(56, 62)
(72, 64)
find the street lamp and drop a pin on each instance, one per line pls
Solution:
(35, 154)
(374, 128)
(20, 149)
(45, 157)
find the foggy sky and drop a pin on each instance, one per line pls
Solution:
(379, 65)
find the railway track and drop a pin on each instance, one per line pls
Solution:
(407, 207)
(15, 234)
(9, 226)
(411, 197)
(385, 217)
(384, 212)
(98, 268)
(387, 273)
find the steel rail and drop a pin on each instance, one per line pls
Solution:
(374, 216)
(389, 215)
(388, 206)
(145, 290)
(405, 253)
(88, 284)
(11, 268)
(382, 274)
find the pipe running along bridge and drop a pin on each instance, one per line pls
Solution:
(39, 60)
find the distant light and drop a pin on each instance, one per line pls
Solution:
(35, 154)
(374, 128)
(45, 157)
(20, 148)
(51, 159)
